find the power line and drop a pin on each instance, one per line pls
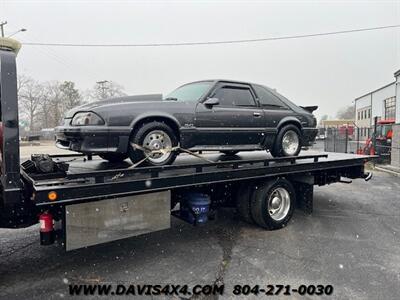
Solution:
(51, 53)
(213, 42)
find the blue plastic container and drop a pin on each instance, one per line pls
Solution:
(195, 208)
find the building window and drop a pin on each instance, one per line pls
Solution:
(390, 108)
(369, 113)
(358, 115)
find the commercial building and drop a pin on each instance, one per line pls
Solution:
(379, 103)
(383, 103)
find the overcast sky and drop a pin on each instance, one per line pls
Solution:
(328, 71)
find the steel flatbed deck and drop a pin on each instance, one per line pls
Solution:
(96, 179)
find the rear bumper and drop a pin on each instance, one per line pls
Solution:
(92, 139)
(309, 135)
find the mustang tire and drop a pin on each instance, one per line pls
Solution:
(273, 203)
(153, 136)
(114, 157)
(287, 142)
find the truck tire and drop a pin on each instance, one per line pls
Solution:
(287, 142)
(154, 135)
(273, 203)
(243, 198)
(114, 157)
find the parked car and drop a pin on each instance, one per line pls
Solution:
(215, 115)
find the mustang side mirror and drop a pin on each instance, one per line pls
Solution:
(211, 102)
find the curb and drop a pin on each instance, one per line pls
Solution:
(388, 171)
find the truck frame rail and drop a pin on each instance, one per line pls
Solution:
(100, 184)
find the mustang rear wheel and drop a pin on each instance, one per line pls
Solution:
(155, 142)
(114, 157)
(287, 142)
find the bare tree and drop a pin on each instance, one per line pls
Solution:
(30, 96)
(106, 89)
(70, 96)
(43, 105)
(22, 81)
(51, 106)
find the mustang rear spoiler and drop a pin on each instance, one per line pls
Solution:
(310, 108)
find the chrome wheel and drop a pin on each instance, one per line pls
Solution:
(290, 142)
(279, 204)
(158, 146)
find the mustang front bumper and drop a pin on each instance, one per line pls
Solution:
(92, 139)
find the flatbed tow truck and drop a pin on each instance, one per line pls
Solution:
(82, 201)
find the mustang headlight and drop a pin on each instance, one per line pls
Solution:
(86, 118)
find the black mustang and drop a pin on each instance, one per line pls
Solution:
(211, 115)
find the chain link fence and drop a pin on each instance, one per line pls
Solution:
(339, 139)
(362, 141)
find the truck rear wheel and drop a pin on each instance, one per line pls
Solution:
(272, 204)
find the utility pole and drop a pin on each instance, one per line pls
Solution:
(2, 28)
(103, 87)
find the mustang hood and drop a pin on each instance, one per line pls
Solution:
(92, 105)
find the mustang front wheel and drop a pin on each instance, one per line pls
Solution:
(154, 141)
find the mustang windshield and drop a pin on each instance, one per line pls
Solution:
(191, 92)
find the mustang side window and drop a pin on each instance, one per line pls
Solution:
(189, 92)
(234, 96)
(267, 99)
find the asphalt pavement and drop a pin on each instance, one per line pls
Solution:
(351, 241)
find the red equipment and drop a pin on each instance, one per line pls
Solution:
(383, 135)
(46, 228)
(346, 129)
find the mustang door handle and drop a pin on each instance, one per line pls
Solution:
(256, 114)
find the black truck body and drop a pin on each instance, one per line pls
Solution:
(25, 192)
